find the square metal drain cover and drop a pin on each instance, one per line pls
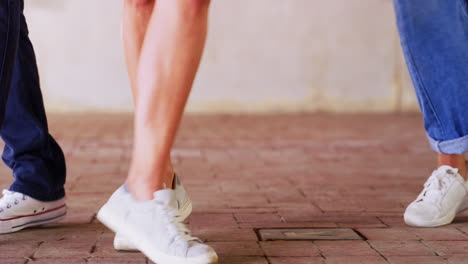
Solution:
(309, 234)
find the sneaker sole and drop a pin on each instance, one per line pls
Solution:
(434, 223)
(21, 222)
(463, 206)
(122, 244)
(441, 221)
(106, 217)
(448, 219)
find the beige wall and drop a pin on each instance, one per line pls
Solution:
(262, 55)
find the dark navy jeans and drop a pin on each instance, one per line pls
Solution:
(434, 36)
(36, 159)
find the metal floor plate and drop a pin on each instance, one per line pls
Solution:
(309, 234)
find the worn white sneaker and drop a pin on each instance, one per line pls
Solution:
(444, 195)
(19, 211)
(184, 206)
(155, 228)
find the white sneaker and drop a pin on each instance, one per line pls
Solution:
(155, 228)
(444, 196)
(184, 206)
(19, 211)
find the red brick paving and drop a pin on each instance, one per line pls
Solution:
(401, 248)
(257, 171)
(356, 260)
(290, 248)
(445, 248)
(296, 260)
(345, 248)
(418, 259)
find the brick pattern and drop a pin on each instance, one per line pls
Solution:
(256, 171)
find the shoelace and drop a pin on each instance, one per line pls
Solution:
(9, 199)
(175, 225)
(438, 182)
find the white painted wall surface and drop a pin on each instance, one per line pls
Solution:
(261, 56)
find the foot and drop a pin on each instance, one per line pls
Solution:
(444, 195)
(184, 206)
(155, 228)
(19, 211)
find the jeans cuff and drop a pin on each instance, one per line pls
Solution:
(36, 195)
(453, 146)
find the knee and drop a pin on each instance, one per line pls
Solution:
(139, 3)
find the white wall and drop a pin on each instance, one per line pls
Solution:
(262, 55)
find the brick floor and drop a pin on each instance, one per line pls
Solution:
(249, 172)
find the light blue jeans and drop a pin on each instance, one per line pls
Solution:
(434, 36)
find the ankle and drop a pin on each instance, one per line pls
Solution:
(142, 190)
(455, 161)
(169, 177)
(143, 184)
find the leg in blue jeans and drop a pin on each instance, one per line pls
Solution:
(434, 36)
(10, 11)
(36, 159)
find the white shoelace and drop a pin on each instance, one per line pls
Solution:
(10, 199)
(437, 185)
(175, 225)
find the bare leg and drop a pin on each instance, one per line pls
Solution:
(455, 161)
(168, 62)
(136, 17)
